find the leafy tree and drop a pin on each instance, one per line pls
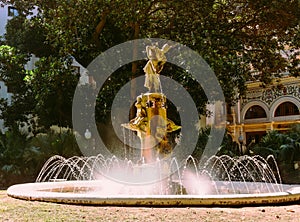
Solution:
(53, 83)
(12, 72)
(28, 36)
(46, 91)
(240, 40)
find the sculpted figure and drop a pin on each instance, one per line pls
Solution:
(140, 121)
(154, 66)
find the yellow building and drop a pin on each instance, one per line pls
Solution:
(262, 109)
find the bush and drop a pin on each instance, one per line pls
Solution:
(285, 147)
(22, 157)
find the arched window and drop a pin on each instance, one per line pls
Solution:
(286, 109)
(255, 112)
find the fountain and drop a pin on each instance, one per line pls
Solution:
(151, 122)
(96, 181)
(158, 178)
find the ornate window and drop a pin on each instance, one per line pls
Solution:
(286, 109)
(255, 112)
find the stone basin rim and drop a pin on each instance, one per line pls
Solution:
(42, 192)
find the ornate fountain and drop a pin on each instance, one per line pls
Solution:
(157, 181)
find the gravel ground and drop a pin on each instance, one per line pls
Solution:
(19, 210)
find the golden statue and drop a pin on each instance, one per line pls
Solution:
(154, 66)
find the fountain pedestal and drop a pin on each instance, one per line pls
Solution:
(152, 126)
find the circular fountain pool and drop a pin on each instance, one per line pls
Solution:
(221, 181)
(89, 193)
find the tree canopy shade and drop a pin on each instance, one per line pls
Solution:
(46, 92)
(12, 72)
(241, 40)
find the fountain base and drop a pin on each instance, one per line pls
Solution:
(87, 193)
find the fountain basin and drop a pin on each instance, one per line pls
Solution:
(84, 193)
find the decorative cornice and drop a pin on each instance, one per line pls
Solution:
(289, 86)
(271, 94)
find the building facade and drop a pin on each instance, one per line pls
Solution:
(262, 109)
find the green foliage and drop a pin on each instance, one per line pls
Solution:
(274, 140)
(285, 147)
(17, 158)
(236, 38)
(53, 84)
(22, 157)
(227, 147)
(108, 91)
(29, 36)
(12, 72)
(46, 91)
(56, 142)
(13, 146)
(201, 143)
